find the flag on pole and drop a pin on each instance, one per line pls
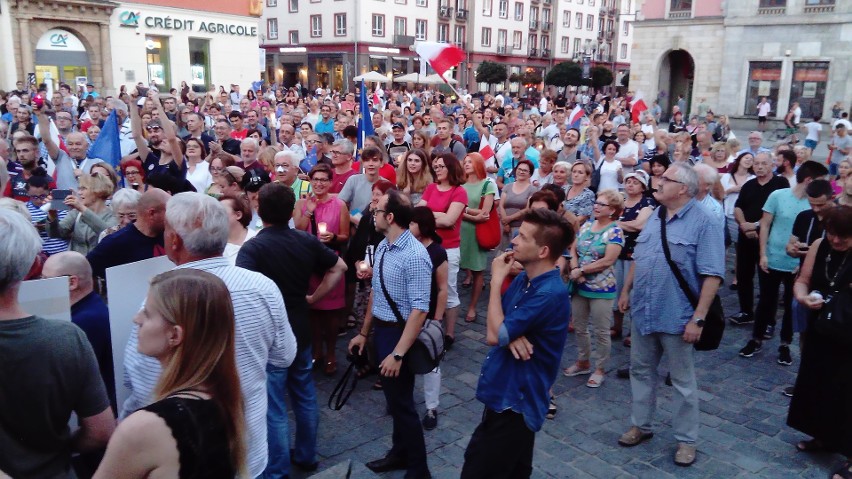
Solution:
(365, 122)
(441, 56)
(575, 117)
(637, 107)
(108, 145)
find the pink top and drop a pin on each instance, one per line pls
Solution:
(327, 212)
(440, 201)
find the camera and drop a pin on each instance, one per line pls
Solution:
(357, 357)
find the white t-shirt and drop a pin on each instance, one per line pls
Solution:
(763, 109)
(609, 175)
(813, 130)
(727, 181)
(200, 177)
(631, 148)
(542, 105)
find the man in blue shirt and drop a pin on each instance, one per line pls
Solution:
(664, 320)
(527, 328)
(326, 122)
(404, 270)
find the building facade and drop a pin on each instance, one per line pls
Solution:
(324, 43)
(110, 43)
(734, 53)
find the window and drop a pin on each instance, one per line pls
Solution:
(533, 14)
(340, 24)
(271, 3)
(601, 25)
(578, 21)
(626, 28)
(819, 2)
(545, 15)
(532, 40)
(157, 56)
(272, 28)
(458, 35)
(517, 40)
(486, 7)
(316, 26)
(199, 61)
(545, 42)
(576, 46)
(566, 18)
(683, 6)
(420, 30)
(293, 6)
(565, 45)
(623, 52)
(486, 37)
(764, 80)
(503, 8)
(400, 26)
(519, 11)
(772, 3)
(443, 32)
(422, 3)
(378, 25)
(294, 37)
(590, 22)
(461, 5)
(808, 86)
(402, 2)
(501, 38)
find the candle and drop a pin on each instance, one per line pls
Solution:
(362, 266)
(322, 228)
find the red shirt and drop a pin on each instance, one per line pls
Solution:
(239, 135)
(338, 180)
(440, 201)
(387, 171)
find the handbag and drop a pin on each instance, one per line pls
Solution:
(596, 176)
(834, 319)
(426, 352)
(714, 323)
(488, 233)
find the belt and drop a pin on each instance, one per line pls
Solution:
(387, 324)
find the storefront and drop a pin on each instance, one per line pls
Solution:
(61, 57)
(167, 46)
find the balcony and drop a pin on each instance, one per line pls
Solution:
(548, 2)
(545, 26)
(819, 9)
(680, 14)
(533, 24)
(445, 12)
(609, 35)
(461, 14)
(462, 45)
(533, 52)
(501, 49)
(534, 2)
(403, 41)
(771, 10)
(545, 53)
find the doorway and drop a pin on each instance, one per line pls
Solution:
(677, 74)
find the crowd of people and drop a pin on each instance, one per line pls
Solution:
(303, 233)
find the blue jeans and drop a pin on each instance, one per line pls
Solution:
(298, 382)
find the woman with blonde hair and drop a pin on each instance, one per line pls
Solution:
(421, 140)
(413, 174)
(106, 170)
(196, 427)
(89, 214)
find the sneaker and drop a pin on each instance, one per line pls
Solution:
(430, 419)
(448, 342)
(551, 408)
(741, 318)
(784, 357)
(770, 332)
(622, 373)
(751, 348)
(788, 391)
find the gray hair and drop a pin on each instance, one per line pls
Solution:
(706, 173)
(13, 100)
(291, 157)
(21, 243)
(250, 141)
(119, 105)
(125, 197)
(346, 145)
(562, 164)
(16, 206)
(767, 154)
(686, 175)
(200, 221)
(520, 139)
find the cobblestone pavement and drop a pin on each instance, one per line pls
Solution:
(743, 432)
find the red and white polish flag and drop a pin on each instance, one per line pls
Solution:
(441, 56)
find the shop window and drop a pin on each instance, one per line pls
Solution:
(809, 87)
(199, 63)
(157, 56)
(764, 80)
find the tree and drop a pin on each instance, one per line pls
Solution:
(491, 73)
(625, 80)
(531, 78)
(565, 74)
(601, 77)
(514, 78)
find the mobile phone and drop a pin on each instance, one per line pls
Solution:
(58, 201)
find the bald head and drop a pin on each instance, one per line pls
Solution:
(70, 263)
(151, 212)
(153, 198)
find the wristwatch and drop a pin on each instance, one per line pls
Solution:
(699, 322)
(397, 356)
(757, 225)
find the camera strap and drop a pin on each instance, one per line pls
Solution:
(340, 394)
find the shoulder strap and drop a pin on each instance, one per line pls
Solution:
(390, 301)
(681, 281)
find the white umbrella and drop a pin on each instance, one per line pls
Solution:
(409, 78)
(373, 76)
(435, 79)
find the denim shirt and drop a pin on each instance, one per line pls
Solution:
(539, 310)
(697, 244)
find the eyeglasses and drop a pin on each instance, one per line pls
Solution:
(312, 141)
(439, 167)
(153, 128)
(320, 180)
(598, 203)
(135, 172)
(522, 170)
(664, 180)
(129, 216)
(335, 153)
(384, 212)
(38, 197)
(212, 168)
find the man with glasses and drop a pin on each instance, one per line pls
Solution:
(341, 161)
(664, 321)
(326, 121)
(64, 123)
(223, 140)
(38, 188)
(755, 139)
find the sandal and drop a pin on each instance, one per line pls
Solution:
(813, 445)
(595, 380)
(551, 408)
(844, 471)
(575, 370)
(471, 319)
(377, 386)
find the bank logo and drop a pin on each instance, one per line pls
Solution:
(59, 40)
(129, 19)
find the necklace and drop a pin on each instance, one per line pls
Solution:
(833, 279)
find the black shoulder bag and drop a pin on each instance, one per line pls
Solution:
(596, 175)
(714, 323)
(427, 350)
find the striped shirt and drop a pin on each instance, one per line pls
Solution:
(48, 245)
(263, 335)
(406, 270)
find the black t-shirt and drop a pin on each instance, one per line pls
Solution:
(630, 214)
(127, 245)
(808, 228)
(231, 146)
(289, 258)
(753, 196)
(438, 255)
(152, 166)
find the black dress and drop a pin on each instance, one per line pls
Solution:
(202, 440)
(822, 404)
